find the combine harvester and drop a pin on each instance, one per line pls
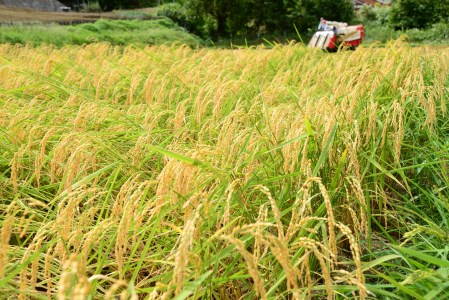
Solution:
(337, 34)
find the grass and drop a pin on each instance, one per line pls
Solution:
(169, 172)
(115, 32)
(438, 34)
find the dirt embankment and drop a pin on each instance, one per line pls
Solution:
(14, 14)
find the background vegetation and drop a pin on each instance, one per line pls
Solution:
(246, 22)
(222, 18)
(380, 25)
(419, 13)
(248, 18)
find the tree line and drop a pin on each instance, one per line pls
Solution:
(227, 18)
(108, 5)
(407, 14)
(224, 18)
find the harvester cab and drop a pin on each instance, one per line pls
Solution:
(336, 34)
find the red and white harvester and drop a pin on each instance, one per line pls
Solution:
(336, 34)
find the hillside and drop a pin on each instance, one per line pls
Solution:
(16, 14)
(47, 5)
(12, 14)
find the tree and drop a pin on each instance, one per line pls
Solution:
(271, 14)
(419, 13)
(234, 16)
(108, 5)
(334, 10)
(223, 12)
(304, 14)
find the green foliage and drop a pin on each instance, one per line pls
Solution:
(201, 25)
(220, 18)
(379, 33)
(312, 10)
(436, 34)
(177, 13)
(272, 15)
(174, 11)
(108, 5)
(117, 32)
(379, 26)
(377, 14)
(418, 268)
(133, 15)
(419, 13)
(92, 6)
(227, 15)
(366, 14)
(382, 14)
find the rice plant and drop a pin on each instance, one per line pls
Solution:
(173, 173)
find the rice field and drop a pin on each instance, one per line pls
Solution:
(175, 173)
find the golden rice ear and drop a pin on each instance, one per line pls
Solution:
(182, 256)
(5, 235)
(262, 202)
(251, 262)
(227, 211)
(73, 282)
(276, 212)
(355, 251)
(15, 169)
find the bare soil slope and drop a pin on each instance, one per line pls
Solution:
(12, 14)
